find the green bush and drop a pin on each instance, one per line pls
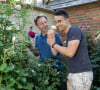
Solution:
(94, 53)
(12, 51)
(18, 70)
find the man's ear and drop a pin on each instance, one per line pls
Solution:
(37, 26)
(67, 19)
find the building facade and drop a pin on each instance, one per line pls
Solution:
(84, 13)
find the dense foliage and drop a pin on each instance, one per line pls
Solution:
(18, 69)
(94, 53)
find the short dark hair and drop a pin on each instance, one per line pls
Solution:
(61, 13)
(39, 16)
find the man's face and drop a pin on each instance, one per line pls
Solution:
(42, 24)
(61, 22)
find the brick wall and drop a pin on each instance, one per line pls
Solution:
(87, 16)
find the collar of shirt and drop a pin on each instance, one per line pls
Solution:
(43, 36)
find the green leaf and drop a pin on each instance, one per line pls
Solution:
(19, 86)
(23, 79)
(96, 66)
(98, 88)
(3, 66)
(1, 44)
(49, 88)
(27, 39)
(8, 11)
(12, 2)
(2, 88)
(9, 68)
(29, 22)
(30, 86)
(11, 84)
(25, 74)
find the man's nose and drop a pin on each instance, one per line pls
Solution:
(45, 24)
(57, 24)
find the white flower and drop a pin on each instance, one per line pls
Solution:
(14, 38)
(32, 70)
(98, 37)
(17, 0)
(9, 28)
(46, 81)
(38, 65)
(57, 72)
(53, 27)
(14, 23)
(18, 7)
(65, 42)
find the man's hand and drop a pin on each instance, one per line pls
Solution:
(51, 33)
(51, 36)
(51, 41)
(34, 51)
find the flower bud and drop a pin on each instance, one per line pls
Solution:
(14, 38)
(31, 34)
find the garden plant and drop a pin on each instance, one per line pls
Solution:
(18, 69)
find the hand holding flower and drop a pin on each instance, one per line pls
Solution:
(51, 32)
(51, 41)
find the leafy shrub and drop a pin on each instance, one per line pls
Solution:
(18, 70)
(94, 53)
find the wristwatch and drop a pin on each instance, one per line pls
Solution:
(53, 45)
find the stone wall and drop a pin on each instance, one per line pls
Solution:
(32, 14)
(37, 11)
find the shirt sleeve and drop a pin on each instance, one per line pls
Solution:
(58, 39)
(75, 34)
